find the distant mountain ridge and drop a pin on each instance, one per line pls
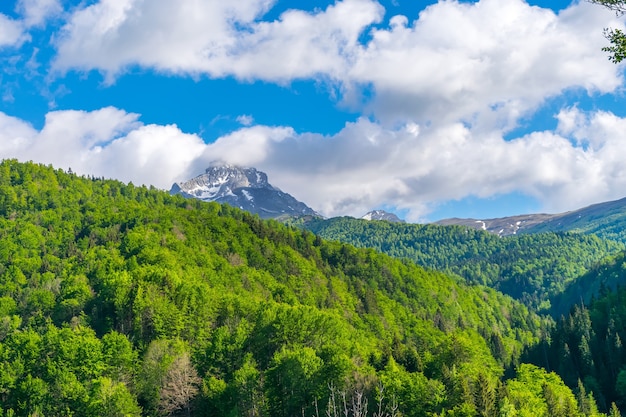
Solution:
(242, 187)
(607, 220)
(503, 226)
(249, 189)
(382, 215)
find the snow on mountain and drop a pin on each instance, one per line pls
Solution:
(603, 218)
(505, 226)
(242, 187)
(382, 215)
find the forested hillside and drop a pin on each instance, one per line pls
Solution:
(586, 348)
(531, 268)
(117, 300)
(609, 275)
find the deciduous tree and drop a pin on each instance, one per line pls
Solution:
(617, 37)
(180, 386)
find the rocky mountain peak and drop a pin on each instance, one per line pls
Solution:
(243, 187)
(235, 176)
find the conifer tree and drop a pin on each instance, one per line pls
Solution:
(484, 396)
(583, 400)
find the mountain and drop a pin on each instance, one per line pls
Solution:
(607, 220)
(382, 215)
(242, 187)
(504, 226)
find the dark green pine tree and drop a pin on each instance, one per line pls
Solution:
(484, 396)
(567, 369)
(586, 359)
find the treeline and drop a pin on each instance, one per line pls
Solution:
(117, 300)
(531, 268)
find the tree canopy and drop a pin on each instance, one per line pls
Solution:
(532, 268)
(617, 37)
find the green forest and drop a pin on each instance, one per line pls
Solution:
(120, 300)
(586, 349)
(532, 268)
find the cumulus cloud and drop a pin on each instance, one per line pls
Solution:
(365, 165)
(172, 36)
(486, 63)
(216, 38)
(108, 142)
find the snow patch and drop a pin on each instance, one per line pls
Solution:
(247, 195)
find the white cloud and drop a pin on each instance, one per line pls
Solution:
(300, 44)
(152, 154)
(37, 12)
(364, 166)
(107, 142)
(486, 63)
(245, 119)
(215, 37)
(414, 168)
(15, 135)
(249, 146)
(11, 32)
(180, 36)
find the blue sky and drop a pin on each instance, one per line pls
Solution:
(430, 109)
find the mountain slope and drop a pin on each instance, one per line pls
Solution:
(607, 220)
(120, 300)
(531, 268)
(606, 276)
(245, 188)
(504, 226)
(586, 346)
(382, 215)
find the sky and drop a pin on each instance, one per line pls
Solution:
(426, 109)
